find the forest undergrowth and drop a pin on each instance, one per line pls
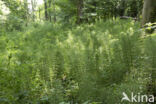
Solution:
(86, 64)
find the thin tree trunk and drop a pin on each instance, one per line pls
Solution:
(54, 11)
(49, 2)
(79, 11)
(46, 9)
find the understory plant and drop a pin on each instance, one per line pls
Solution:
(86, 64)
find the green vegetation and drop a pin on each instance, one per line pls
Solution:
(54, 63)
(77, 51)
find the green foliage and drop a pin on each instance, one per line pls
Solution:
(73, 11)
(86, 64)
(150, 27)
(100, 9)
(17, 17)
(17, 8)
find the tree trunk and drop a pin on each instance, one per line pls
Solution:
(149, 11)
(79, 11)
(46, 9)
(54, 11)
(49, 11)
